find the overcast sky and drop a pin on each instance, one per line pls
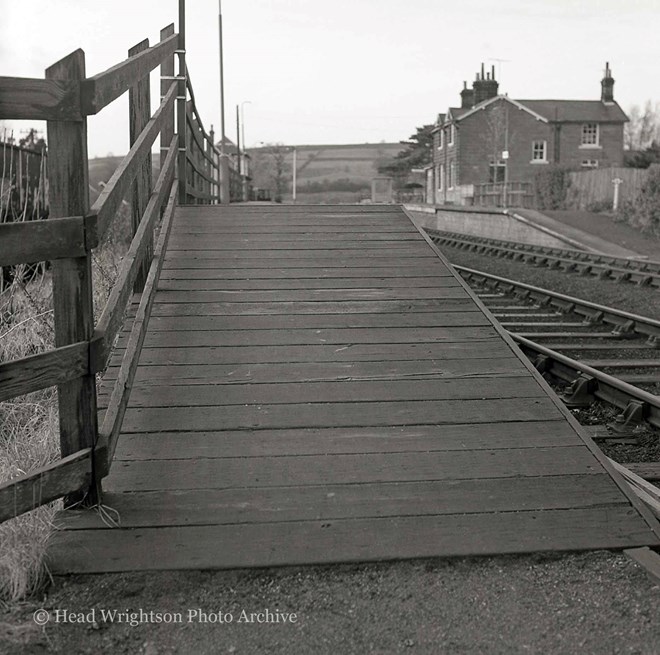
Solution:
(347, 71)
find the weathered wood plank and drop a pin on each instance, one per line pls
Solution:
(310, 295)
(286, 543)
(102, 89)
(72, 278)
(267, 230)
(298, 321)
(294, 241)
(413, 250)
(329, 441)
(311, 415)
(322, 371)
(182, 263)
(648, 470)
(400, 272)
(350, 501)
(301, 308)
(112, 316)
(66, 476)
(208, 395)
(309, 283)
(299, 337)
(259, 472)
(23, 98)
(43, 370)
(112, 421)
(106, 205)
(36, 241)
(329, 353)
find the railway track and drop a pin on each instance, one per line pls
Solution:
(599, 352)
(638, 271)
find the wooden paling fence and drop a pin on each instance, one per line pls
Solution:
(596, 186)
(189, 172)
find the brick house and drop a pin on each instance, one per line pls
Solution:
(492, 140)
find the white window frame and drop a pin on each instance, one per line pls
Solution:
(590, 137)
(442, 139)
(450, 138)
(451, 182)
(590, 163)
(540, 146)
(441, 177)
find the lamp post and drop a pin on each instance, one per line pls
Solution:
(224, 163)
(245, 102)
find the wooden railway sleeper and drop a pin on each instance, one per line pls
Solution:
(625, 330)
(593, 318)
(581, 392)
(625, 423)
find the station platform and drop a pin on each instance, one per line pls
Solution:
(318, 385)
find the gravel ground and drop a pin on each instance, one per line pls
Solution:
(597, 602)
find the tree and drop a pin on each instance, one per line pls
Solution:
(643, 128)
(417, 154)
(269, 167)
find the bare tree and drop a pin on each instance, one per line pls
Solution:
(644, 126)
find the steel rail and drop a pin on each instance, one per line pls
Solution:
(624, 323)
(643, 272)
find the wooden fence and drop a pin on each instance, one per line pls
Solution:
(189, 172)
(516, 194)
(596, 186)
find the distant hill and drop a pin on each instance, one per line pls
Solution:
(328, 173)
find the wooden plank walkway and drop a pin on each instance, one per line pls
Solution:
(317, 385)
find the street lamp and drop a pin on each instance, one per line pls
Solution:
(245, 102)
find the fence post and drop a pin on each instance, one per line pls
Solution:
(139, 110)
(181, 104)
(215, 187)
(166, 72)
(72, 278)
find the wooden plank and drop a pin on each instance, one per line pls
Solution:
(399, 272)
(648, 559)
(102, 89)
(112, 315)
(648, 470)
(325, 371)
(292, 321)
(106, 205)
(139, 113)
(309, 283)
(332, 502)
(181, 263)
(321, 415)
(403, 250)
(166, 73)
(293, 240)
(310, 542)
(208, 395)
(356, 440)
(338, 336)
(269, 472)
(36, 241)
(36, 488)
(43, 370)
(72, 278)
(310, 295)
(114, 415)
(23, 98)
(349, 353)
(182, 228)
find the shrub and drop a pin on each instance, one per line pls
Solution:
(551, 187)
(644, 211)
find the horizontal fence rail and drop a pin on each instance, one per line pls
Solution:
(189, 172)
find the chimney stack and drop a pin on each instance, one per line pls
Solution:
(467, 97)
(485, 86)
(607, 86)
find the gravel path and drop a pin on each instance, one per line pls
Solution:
(598, 602)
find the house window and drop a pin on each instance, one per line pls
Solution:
(450, 138)
(539, 151)
(496, 171)
(590, 134)
(589, 163)
(451, 183)
(441, 177)
(441, 139)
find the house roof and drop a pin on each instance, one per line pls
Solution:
(464, 113)
(576, 110)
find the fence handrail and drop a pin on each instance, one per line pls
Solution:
(64, 99)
